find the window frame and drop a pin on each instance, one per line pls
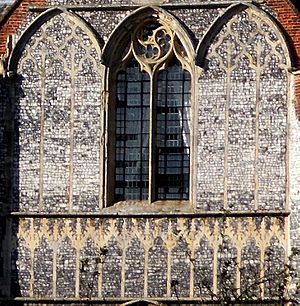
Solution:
(110, 136)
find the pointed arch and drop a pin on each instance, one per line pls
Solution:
(116, 41)
(231, 11)
(38, 22)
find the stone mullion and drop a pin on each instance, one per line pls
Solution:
(31, 281)
(286, 241)
(257, 107)
(55, 249)
(148, 243)
(152, 128)
(71, 173)
(77, 273)
(290, 98)
(42, 131)
(192, 242)
(146, 249)
(99, 237)
(57, 238)
(262, 273)
(123, 273)
(78, 246)
(238, 270)
(103, 101)
(170, 243)
(264, 242)
(226, 132)
(240, 242)
(32, 245)
(216, 240)
(99, 270)
(194, 124)
(215, 268)
(169, 276)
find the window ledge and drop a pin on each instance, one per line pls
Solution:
(142, 209)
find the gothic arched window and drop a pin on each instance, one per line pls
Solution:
(151, 121)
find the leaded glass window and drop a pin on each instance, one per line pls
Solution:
(152, 118)
(173, 133)
(132, 134)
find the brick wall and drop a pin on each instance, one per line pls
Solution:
(289, 19)
(14, 19)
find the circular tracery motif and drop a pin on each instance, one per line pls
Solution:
(153, 41)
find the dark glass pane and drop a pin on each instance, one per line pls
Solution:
(173, 134)
(132, 134)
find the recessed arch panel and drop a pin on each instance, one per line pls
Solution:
(58, 120)
(230, 12)
(37, 24)
(243, 113)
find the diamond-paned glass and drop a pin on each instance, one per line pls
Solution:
(132, 134)
(173, 100)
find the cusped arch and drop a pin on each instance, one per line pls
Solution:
(117, 40)
(231, 11)
(38, 22)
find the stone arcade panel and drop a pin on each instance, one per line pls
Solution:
(127, 257)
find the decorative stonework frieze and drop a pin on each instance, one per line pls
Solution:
(130, 257)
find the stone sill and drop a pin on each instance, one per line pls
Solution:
(161, 214)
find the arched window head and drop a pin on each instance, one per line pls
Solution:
(151, 117)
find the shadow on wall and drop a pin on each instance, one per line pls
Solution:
(9, 188)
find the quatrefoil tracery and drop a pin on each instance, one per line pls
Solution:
(153, 44)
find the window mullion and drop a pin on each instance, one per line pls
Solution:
(152, 140)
